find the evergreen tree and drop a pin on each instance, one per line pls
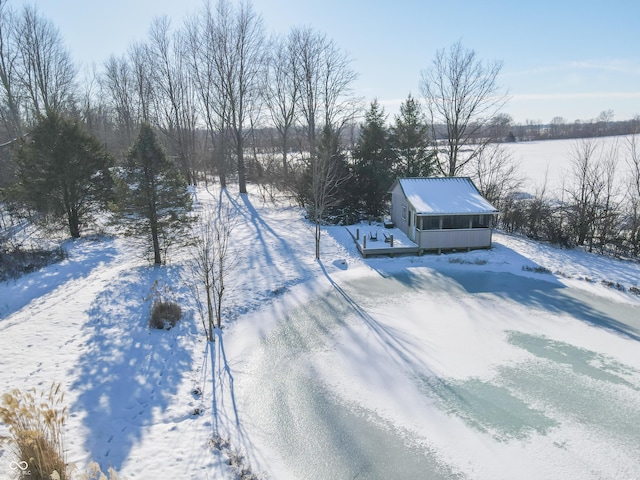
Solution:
(154, 198)
(373, 162)
(410, 142)
(63, 173)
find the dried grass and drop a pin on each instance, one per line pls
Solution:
(94, 472)
(35, 420)
(165, 314)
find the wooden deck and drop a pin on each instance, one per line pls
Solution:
(370, 240)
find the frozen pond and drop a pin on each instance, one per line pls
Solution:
(316, 434)
(491, 384)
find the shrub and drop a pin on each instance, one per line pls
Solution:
(35, 421)
(235, 459)
(538, 269)
(18, 261)
(465, 261)
(164, 314)
(614, 285)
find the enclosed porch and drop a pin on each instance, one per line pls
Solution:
(453, 232)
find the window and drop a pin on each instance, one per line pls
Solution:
(429, 223)
(481, 221)
(456, 221)
(404, 212)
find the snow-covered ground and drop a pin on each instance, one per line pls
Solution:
(548, 163)
(518, 363)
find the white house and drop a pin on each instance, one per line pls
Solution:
(444, 213)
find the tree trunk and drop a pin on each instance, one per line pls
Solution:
(222, 172)
(74, 224)
(285, 165)
(157, 257)
(242, 174)
(210, 313)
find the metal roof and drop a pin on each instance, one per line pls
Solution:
(444, 195)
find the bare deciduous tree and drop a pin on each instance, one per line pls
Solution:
(46, 70)
(238, 56)
(280, 91)
(581, 192)
(328, 176)
(495, 173)
(212, 263)
(142, 82)
(226, 57)
(120, 95)
(175, 103)
(324, 80)
(461, 94)
(10, 92)
(608, 200)
(633, 196)
(594, 203)
(200, 34)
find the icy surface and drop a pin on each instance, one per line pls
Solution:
(518, 362)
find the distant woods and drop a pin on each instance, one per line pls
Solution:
(227, 102)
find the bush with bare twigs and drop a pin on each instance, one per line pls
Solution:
(165, 315)
(165, 312)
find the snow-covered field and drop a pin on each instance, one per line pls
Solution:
(476, 365)
(548, 163)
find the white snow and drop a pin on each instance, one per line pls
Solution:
(476, 366)
(450, 195)
(547, 164)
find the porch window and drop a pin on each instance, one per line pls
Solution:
(456, 222)
(481, 221)
(429, 223)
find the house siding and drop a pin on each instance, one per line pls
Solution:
(439, 238)
(397, 201)
(454, 239)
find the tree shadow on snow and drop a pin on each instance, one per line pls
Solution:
(222, 384)
(229, 434)
(315, 433)
(393, 341)
(553, 297)
(272, 261)
(84, 257)
(542, 290)
(130, 372)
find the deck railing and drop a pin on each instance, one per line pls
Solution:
(449, 239)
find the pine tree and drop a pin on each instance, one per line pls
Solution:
(374, 162)
(154, 198)
(63, 173)
(414, 157)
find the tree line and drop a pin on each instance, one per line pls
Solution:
(219, 98)
(597, 207)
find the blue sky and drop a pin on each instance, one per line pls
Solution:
(567, 58)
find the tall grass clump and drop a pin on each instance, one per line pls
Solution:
(35, 420)
(165, 315)
(165, 312)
